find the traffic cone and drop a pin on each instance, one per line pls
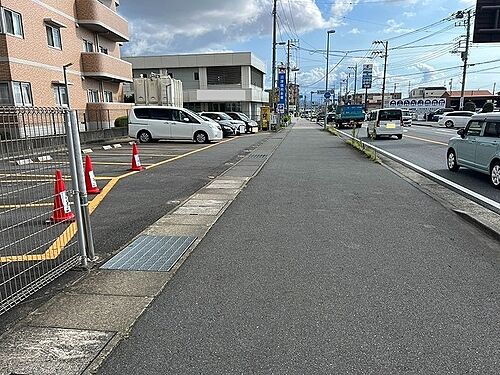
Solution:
(62, 209)
(90, 181)
(136, 161)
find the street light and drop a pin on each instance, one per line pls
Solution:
(327, 72)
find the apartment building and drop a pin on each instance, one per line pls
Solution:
(38, 37)
(212, 81)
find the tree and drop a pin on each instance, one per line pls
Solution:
(470, 106)
(488, 107)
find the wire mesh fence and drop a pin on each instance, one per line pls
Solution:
(37, 235)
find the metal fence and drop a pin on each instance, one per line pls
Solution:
(38, 238)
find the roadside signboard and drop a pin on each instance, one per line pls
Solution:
(367, 76)
(487, 23)
(280, 108)
(327, 95)
(282, 87)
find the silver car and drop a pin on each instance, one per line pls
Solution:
(478, 147)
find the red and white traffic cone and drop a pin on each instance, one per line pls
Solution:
(62, 209)
(136, 161)
(90, 181)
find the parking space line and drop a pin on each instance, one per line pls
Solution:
(60, 242)
(426, 140)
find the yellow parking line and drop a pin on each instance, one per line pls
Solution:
(60, 243)
(426, 140)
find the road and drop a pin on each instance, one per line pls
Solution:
(426, 147)
(343, 268)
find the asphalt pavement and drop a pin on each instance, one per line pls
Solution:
(427, 147)
(326, 263)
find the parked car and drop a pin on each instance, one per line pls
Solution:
(407, 118)
(228, 129)
(477, 147)
(385, 122)
(251, 125)
(436, 115)
(152, 123)
(457, 119)
(223, 118)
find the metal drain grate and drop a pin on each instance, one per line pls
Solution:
(150, 253)
(258, 156)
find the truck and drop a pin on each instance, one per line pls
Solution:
(349, 115)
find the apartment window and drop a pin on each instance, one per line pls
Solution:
(4, 94)
(196, 76)
(108, 96)
(88, 46)
(54, 36)
(224, 75)
(103, 50)
(22, 94)
(12, 22)
(61, 96)
(93, 96)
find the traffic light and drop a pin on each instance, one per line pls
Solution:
(487, 25)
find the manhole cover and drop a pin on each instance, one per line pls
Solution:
(150, 253)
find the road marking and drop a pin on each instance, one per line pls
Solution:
(112, 163)
(426, 140)
(60, 243)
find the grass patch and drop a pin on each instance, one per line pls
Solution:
(357, 144)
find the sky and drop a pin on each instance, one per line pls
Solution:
(194, 26)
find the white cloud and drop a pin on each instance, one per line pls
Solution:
(339, 9)
(354, 30)
(409, 14)
(468, 2)
(187, 25)
(396, 27)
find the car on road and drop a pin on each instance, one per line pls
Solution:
(436, 115)
(407, 117)
(385, 122)
(152, 123)
(224, 119)
(456, 119)
(251, 125)
(477, 147)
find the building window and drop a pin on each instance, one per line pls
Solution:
(196, 76)
(61, 96)
(93, 96)
(257, 78)
(22, 94)
(12, 22)
(4, 94)
(108, 96)
(224, 75)
(103, 50)
(88, 46)
(54, 36)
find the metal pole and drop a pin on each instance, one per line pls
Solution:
(288, 77)
(312, 99)
(355, 82)
(366, 99)
(327, 72)
(385, 72)
(66, 85)
(347, 89)
(465, 59)
(76, 186)
(82, 189)
(273, 91)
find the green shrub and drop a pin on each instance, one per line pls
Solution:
(488, 107)
(121, 122)
(470, 106)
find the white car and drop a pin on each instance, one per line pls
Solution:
(384, 122)
(407, 118)
(152, 123)
(456, 119)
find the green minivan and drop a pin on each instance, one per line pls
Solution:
(477, 147)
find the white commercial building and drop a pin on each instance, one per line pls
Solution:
(212, 81)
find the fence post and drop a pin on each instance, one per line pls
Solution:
(84, 199)
(76, 188)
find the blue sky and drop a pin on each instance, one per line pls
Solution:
(189, 26)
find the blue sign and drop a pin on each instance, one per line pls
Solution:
(328, 95)
(282, 87)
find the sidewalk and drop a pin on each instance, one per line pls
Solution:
(325, 263)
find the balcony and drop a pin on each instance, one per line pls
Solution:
(104, 67)
(99, 18)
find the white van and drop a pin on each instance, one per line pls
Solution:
(152, 123)
(385, 122)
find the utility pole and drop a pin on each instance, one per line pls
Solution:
(355, 69)
(273, 90)
(451, 85)
(385, 72)
(494, 88)
(327, 73)
(409, 88)
(347, 89)
(465, 58)
(312, 92)
(289, 42)
(395, 87)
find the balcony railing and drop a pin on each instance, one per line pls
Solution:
(101, 66)
(97, 17)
